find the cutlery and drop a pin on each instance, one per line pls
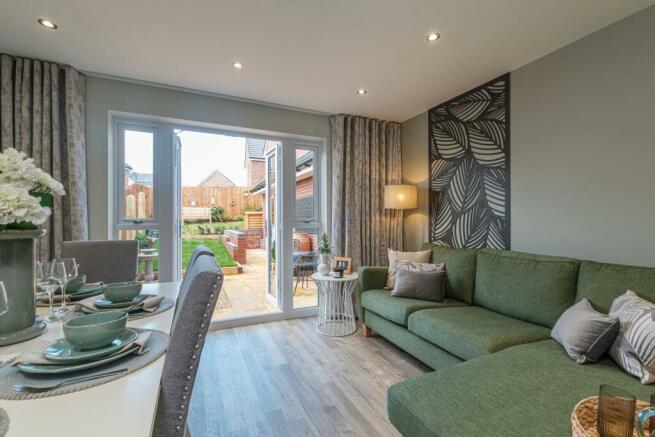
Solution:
(41, 388)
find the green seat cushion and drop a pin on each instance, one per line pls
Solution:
(524, 390)
(471, 332)
(423, 350)
(460, 270)
(534, 288)
(602, 283)
(398, 309)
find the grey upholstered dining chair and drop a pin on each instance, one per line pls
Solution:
(196, 303)
(106, 261)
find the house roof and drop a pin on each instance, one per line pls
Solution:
(216, 179)
(255, 148)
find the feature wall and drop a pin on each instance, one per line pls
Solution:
(583, 149)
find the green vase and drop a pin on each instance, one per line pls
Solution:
(17, 273)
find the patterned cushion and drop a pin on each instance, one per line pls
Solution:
(395, 256)
(634, 348)
(414, 266)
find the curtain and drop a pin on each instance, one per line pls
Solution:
(42, 113)
(366, 156)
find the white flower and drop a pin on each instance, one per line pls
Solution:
(19, 170)
(17, 205)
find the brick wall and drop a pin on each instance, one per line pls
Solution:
(256, 170)
(305, 187)
(236, 242)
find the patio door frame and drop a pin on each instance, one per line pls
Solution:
(169, 210)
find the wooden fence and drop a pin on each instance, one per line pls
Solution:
(232, 199)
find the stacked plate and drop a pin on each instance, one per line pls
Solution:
(63, 357)
(86, 290)
(130, 306)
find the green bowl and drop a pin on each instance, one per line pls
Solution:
(121, 291)
(95, 330)
(75, 284)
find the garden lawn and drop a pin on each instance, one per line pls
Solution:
(221, 254)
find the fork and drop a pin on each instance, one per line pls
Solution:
(41, 388)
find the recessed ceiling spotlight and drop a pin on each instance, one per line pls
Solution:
(47, 23)
(432, 37)
(238, 65)
(361, 91)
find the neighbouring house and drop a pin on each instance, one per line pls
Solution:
(254, 161)
(216, 179)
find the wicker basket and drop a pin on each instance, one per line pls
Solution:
(585, 415)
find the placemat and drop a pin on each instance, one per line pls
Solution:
(4, 422)
(165, 305)
(9, 375)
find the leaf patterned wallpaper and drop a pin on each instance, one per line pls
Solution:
(469, 168)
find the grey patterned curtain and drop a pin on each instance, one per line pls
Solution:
(42, 113)
(366, 156)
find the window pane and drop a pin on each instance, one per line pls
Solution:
(148, 239)
(305, 262)
(305, 185)
(139, 178)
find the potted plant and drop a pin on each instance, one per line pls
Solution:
(324, 252)
(26, 199)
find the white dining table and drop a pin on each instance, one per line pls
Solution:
(121, 408)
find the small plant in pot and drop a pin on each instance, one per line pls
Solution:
(324, 252)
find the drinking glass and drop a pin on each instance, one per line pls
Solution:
(45, 282)
(616, 412)
(70, 268)
(4, 302)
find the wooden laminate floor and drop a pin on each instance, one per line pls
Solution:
(286, 379)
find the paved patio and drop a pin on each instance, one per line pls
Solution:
(245, 294)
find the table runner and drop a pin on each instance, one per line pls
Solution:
(9, 375)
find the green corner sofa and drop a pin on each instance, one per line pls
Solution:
(497, 372)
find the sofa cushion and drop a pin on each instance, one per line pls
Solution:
(460, 268)
(534, 288)
(423, 350)
(398, 309)
(471, 332)
(524, 390)
(602, 283)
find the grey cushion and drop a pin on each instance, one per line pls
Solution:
(425, 285)
(634, 348)
(106, 261)
(196, 302)
(395, 256)
(585, 333)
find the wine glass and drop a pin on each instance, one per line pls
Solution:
(70, 268)
(4, 302)
(48, 284)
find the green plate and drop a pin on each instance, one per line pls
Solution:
(57, 369)
(62, 351)
(86, 291)
(105, 304)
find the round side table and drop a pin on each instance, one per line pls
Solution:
(336, 315)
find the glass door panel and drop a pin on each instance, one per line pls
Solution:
(306, 227)
(270, 219)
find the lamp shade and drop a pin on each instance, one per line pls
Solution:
(400, 197)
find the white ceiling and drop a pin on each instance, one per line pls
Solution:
(311, 54)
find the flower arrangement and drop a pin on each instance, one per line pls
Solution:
(26, 192)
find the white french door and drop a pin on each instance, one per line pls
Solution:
(293, 219)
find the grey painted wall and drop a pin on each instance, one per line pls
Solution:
(583, 149)
(104, 95)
